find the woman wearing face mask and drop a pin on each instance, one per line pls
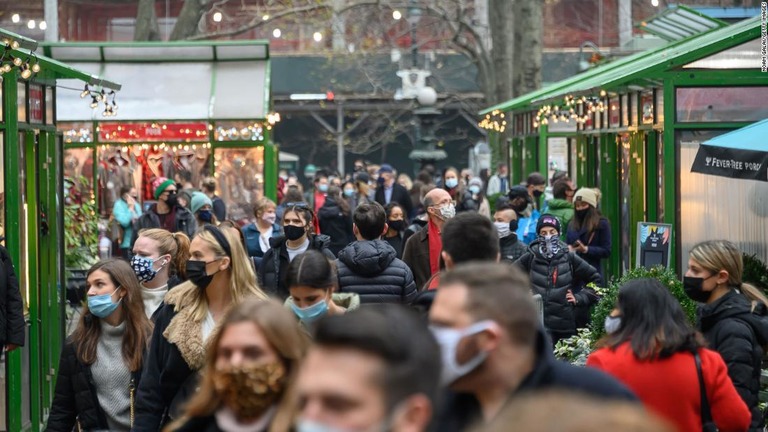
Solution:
(202, 207)
(349, 193)
(127, 211)
(159, 262)
(258, 234)
(461, 196)
(396, 224)
(475, 187)
(249, 370)
(101, 363)
(335, 219)
(651, 348)
(589, 233)
(298, 238)
(555, 274)
(220, 277)
(732, 317)
(312, 280)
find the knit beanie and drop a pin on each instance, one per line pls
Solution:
(160, 184)
(587, 195)
(199, 200)
(548, 221)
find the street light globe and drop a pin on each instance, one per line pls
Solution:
(15, 18)
(217, 17)
(397, 15)
(317, 36)
(427, 96)
(276, 33)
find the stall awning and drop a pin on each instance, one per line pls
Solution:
(742, 154)
(680, 22)
(174, 81)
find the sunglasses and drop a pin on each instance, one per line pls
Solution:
(298, 204)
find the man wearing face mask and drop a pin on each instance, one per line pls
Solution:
(536, 184)
(372, 369)
(422, 250)
(166, 214)
(556, 274)
(493, 347)
(388, 190)
(520, 201)
(505, 221)
(316, 196)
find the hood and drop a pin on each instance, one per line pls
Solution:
(559, 204)
(329, 208)
(734, 304)
(368, 257)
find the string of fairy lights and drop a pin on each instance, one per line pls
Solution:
(27, 65)
(577, 109)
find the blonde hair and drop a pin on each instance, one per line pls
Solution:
(289, 342)
(174, 244)
(242, 278)
(717, 255)
(407, 180)
(261, 205)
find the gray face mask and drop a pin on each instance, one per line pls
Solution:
(448, 211)
(612, 324)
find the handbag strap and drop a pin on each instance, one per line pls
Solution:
(706, 414)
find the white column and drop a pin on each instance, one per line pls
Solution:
(625, 22)
(51, 20)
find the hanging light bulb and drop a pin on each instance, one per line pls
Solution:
(36, 68)
(5, 68)
(26, 73)
(18, 61)
(94, 102)
(85, 92)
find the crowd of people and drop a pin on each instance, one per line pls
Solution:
(375, 302)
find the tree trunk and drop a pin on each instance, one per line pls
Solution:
(528, 45)
(501, 18)
(188, 20)
(146, 22)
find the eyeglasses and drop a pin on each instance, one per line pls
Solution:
(297, 204)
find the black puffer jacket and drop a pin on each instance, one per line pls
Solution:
(75, 400)
(511, 248)
(11, 306)
(371, 269)
(185, 222)
(336, 225)
(274, 265)
(552, 278)
(738, 334)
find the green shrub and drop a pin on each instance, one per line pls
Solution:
(755, 272)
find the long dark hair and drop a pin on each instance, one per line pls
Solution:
(138, 328)
(652, 321)
(335, 193)
(312, 269)
(590, 222)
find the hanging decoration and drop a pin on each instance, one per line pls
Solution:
(495, 121)
(27, 65)
(251, 132)
(97, 97)
(578, 109)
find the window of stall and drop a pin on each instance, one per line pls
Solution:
(21, 101)
(633, 109)
(646, 102)
(239, 172)
(614, 112)
(659, 106)
(50, 105)
(721, 104)
(625, 110)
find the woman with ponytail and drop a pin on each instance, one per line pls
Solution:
(160, 263)
(732, 316)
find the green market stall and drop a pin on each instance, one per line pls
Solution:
(32, 222)
(632, 127)
(189, 110)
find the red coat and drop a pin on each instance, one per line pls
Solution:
(670, 387)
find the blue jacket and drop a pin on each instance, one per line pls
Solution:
(122, 214)
(251, 233)
(599, 246)
(526, 228)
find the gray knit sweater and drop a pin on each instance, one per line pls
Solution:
(112, 378)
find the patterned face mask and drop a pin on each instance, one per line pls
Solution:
(145, 268)
(549, 245)
(250, 390)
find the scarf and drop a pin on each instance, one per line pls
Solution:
(435, 248)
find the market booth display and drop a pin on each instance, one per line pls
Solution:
(31, 218)
(188, 111)
(633, 128)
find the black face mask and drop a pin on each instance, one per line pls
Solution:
(520, 207)
(172, 200)
(293, 232)
(513, 225)
(693, 289)
(581, 214)
(197, 275)
(397, 225)
(537, 193)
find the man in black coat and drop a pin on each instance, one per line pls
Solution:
(369, 266)
(484, 317)
(389, 190)
(11, 305)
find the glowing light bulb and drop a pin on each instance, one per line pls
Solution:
(35, 68)
(276, 33)
(217, 17)
(43, 25)
(31, 24)
(397, 15)
(15, 18)
(317, 36)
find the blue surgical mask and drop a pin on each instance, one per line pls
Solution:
(451, 183)
(311, 313)
(323, 188)
(474, 189)
(102, 305)
(349, 192)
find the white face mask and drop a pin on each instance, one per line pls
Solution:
(303, 425)
(449, 339)
(448, 211)
(503, 229)
(612, 324)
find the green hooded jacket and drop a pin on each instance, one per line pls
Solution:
(563, 211)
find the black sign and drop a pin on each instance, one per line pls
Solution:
(732, 163)
(654, 241)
